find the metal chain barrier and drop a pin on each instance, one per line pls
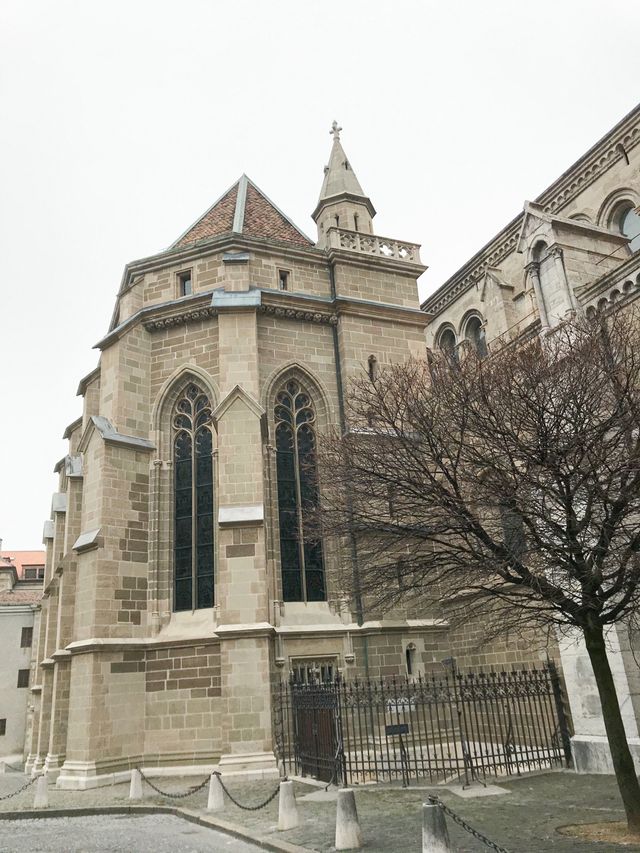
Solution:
(193, 790)
(436, 801)
(20, 790)
(240, 805)
(13, 768)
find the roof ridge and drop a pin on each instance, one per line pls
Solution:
(241, 203)
(231, 215)
(206, 213)
(276, 208)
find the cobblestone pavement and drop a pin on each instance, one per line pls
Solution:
(524, 820)
(116, 834)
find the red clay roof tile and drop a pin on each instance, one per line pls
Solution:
(261, 218)
(217, 220)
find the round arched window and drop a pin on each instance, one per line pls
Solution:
(629, 224)
(447, 344)
(539, 251)
(475, 334)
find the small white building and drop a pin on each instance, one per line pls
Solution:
(21, 577)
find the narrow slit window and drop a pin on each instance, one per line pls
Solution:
(23, 678)
(185, 283)
(283, 280)
(26, 638)
(410, 656)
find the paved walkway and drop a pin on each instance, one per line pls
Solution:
(116, 834)
(523, 820)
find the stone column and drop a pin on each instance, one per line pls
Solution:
(59, 714)
(555, 252)
(155, 524)
(61, 686)
(533, 270)
(32, 740)
(242, 591)
(49, 620)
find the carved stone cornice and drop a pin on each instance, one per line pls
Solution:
(592, 165)
(625, 278)
(179, 319)
(299, 314)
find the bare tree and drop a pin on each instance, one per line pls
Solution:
(508, 487)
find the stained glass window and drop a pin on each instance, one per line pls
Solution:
(193, 501)
(301, 557)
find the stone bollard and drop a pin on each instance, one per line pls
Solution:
(135, 789)
(348, 834)
(41, 798)
(435, 836)
(215, 803)
(287, 808)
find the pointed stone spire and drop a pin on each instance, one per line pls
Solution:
(342, 203)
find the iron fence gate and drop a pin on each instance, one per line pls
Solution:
(465, 726)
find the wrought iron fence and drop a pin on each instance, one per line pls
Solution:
(455, 727)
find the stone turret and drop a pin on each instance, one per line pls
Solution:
(342, 201)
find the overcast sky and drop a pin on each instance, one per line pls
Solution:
(121, 122)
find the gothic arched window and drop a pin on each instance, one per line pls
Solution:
(193, 501)
(301, 557)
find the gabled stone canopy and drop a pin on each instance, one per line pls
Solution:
(244, 209)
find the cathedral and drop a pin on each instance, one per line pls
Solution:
(180, 582)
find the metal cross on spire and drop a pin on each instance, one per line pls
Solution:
(335, 131)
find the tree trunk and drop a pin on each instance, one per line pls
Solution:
(616, 735)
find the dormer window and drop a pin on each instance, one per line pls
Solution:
(185, 284)
(283, 279)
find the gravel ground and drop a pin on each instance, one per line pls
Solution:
(523, 820)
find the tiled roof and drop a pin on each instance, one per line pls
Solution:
(19, 596)
(244, 209)
(217, 220)
(262, 219)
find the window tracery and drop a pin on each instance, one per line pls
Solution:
(301, 557)
(193, 501)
